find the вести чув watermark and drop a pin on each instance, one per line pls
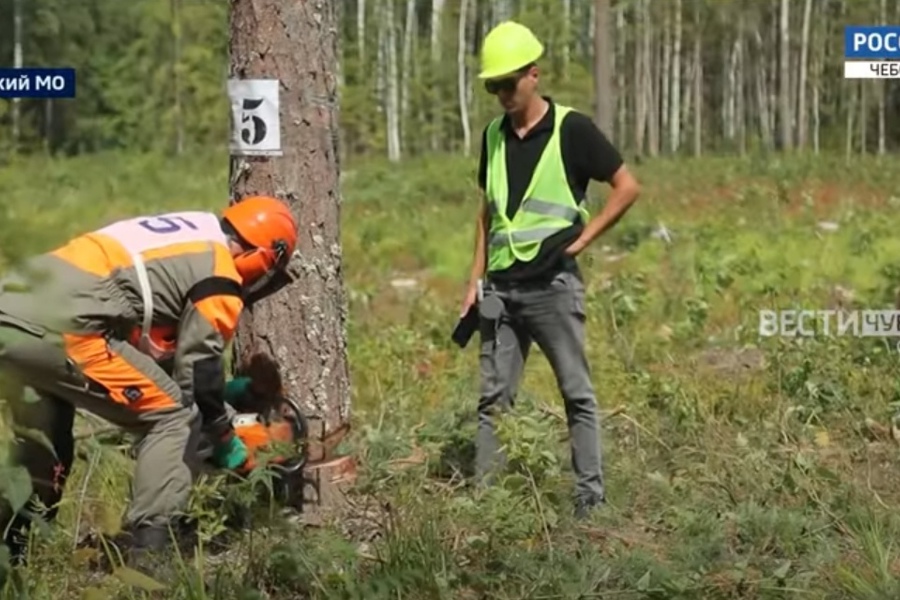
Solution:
(809, 323)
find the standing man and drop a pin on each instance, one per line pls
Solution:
(535, 166)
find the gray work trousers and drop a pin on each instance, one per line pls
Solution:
(31, 357)
(552, 315)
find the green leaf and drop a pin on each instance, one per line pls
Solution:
(15, 486)
(643, 583)
(138, 579)
(94, 594)
(782, 571)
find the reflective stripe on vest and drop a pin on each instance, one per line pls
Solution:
(548, 206)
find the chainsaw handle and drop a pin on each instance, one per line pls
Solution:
(301, 431)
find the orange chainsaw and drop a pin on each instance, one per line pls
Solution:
(272, 426)
(276, 437)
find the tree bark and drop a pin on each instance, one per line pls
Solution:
(784, 77)
(603, 77)
(392, 102)
(674, 107)
(462, 82)
(802, 124)
(698, 81)
(437, 8)
(303, 325)
(621, 97)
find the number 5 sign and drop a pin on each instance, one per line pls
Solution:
(255, 124)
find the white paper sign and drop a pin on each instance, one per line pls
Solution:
(255, 123)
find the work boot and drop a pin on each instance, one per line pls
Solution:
(585, 506)
(144, 548)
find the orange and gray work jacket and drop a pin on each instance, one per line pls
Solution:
(165, 283)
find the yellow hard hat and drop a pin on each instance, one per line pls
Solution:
(508, 47)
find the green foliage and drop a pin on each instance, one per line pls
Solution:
(151, 73)
(737, 466)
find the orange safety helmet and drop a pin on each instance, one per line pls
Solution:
(267, 226)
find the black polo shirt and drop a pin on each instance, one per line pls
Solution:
(586, 153)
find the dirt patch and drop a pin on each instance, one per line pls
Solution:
(823, 198)
(731, 361)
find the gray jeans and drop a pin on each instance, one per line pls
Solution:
(552, 315)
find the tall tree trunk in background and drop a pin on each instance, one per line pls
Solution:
(303, 325)
(409, 40)
(731, 70)
(650, 80)
(437, 9)
(802, 121)
(762, 92)
(674, 108)
(818, 61)
(665, 81)
(176, 75)
(361, 33)
(603, 77)
(17, 63)
(381, 74)
(640, 96)
(462, 77)
(698, 80)
(784, 76)
(621, 97)
(741, 101)
(392, 104)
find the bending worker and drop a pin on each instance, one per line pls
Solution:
(96, 321)
(536, 163)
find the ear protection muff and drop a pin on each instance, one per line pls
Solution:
(256, 266)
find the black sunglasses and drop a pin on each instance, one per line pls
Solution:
(507, 84)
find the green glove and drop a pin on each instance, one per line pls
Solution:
(230, 453)
(236, 390)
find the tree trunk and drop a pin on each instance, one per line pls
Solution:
(361, 34)
(674, 107)
(603, 77)
(462, 77)
(804, 69)
(665, 80)
(409, 48)
(698, 81)
(762, 93)
(303, 325)
(640, 97)
(784, 77)
(437, 8)
(392, 103)
(652, 110)
(621, 99)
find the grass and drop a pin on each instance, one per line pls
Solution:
(737, 466)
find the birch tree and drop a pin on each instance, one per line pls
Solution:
(784, 77)
(463, 77)
(392, 103)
